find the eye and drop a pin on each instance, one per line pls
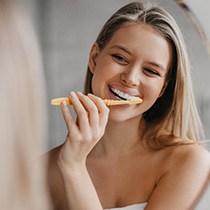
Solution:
(151, 72)
(120, 59)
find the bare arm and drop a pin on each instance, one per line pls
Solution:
(82, 136)
(81, 194)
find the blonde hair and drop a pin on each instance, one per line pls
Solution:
(173, 119)
(22, 111)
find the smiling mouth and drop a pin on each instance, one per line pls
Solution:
(121, 95)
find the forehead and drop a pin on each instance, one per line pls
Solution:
(139, 33)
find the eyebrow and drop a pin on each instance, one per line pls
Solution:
(157, 65)
(121, 48)
(127, 51)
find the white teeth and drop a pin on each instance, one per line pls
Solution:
(122, 94)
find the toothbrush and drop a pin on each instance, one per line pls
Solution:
(108, 102)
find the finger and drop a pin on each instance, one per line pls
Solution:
(68, 118)
(82, 115)
(91, 108)
(102, 108)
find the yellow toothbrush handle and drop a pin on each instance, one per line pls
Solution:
(108, 102)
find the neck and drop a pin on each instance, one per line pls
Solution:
(120, 139)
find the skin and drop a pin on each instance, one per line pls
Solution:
(126, 63)
(102, 163)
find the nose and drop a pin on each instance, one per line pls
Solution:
(131, 77)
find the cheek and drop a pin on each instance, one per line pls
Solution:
(152, 89)
(99, 82)
(95, 84)
(102, 75)
(151, 93)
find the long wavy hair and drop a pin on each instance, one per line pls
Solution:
(173, 119)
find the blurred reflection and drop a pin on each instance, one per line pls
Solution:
(22, 114)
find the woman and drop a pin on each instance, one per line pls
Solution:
(144, 156)
(22, 111)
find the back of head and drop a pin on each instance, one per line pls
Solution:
(22, 111)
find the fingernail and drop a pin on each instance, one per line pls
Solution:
(64, 103)
(79, 93)
(90, 94)
(72, 93)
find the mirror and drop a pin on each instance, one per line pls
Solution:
(186, 6)
(195, 11)
(198, 16)
(67, 30)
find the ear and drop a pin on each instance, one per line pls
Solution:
(93, 57)
(163, 89)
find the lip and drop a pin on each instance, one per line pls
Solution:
(124, 89)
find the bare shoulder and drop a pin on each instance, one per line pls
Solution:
(51, 157)
(53, 154)
(193, 155)
(182, 178)
(189, 166)
(187, 162)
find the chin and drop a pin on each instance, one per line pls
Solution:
(120, 116)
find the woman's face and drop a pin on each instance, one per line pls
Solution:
(134, 63)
